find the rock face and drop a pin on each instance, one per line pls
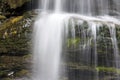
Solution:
(14, 32)
(12, 4)
(15, 42)
(80, 57)
(15, 38)
(10, 8)
(16, 3)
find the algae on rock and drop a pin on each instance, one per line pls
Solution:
(16, 3)
(15, 43)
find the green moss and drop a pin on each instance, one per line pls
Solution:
(15, 34)
(73, 42)
(22, 73)
(10, 23)
(16, 3)
(2, 17)
(108, 69)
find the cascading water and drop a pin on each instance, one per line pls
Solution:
(48, 47)
(91, 50)
(84, 7)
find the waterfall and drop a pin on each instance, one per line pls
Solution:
(76, 40)
(48, 46)
(84, 7)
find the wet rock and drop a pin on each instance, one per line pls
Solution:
(16, 3)
(15, 42)
(16, 33)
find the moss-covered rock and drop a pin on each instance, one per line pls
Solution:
(108, 70)
(16, 64)
(15, 34)
(16, 3)
(2, 17)
(22, 73)
(12, 3)
(10, 8)
(15, 42)
(15, 38)
(72, 43)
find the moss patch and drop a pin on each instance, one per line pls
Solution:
(16, 3)
(108, 69)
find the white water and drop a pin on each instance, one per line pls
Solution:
(84, 7)
(50, 29)
(48, 46)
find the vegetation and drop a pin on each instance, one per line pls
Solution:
(15, 4)
(15, 39)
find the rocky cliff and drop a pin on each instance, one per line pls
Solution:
(16, 20)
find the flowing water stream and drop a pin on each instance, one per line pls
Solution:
(76, 40)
